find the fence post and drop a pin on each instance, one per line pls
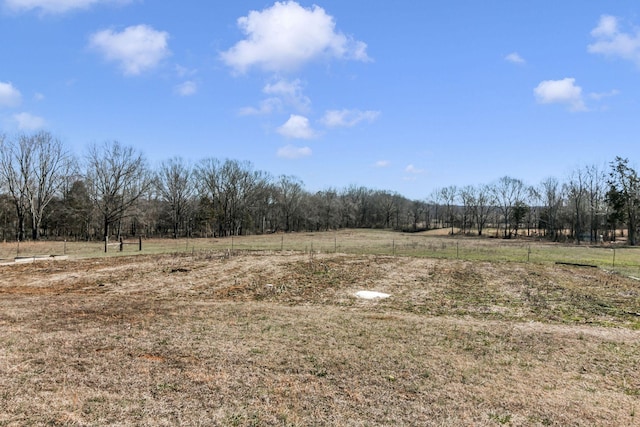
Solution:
(106, 244)
(121, 245)
(614, 258)
(140, 243)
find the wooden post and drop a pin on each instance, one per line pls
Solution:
(140, 243)
(121, 245)
(613, 265)
(106, 244)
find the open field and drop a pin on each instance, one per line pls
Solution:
(196, 337)
(432, 244)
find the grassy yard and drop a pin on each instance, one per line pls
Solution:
(202, 337)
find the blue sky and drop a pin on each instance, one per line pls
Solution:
(406, 96)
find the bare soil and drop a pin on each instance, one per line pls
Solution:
(264, 339)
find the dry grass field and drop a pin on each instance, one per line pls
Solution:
(278, 338)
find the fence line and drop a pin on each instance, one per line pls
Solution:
(622, 259)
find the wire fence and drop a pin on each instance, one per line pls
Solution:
(370, 242)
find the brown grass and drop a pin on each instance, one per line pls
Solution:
(263, 339)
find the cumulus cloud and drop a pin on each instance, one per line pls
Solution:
(563, 91)
(286, 36)
(29, 122)
(514, 58)
(290, 92)
(284, 93)
(136, 49)
(293, 152)
(187, 88)
(611, 41)
(55, 6)
(297, 127)
(348, 118)
(9, 95)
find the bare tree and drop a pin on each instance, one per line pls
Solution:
(233, 193)
(448, 195)
(208, 185)
(52, 165)
(416, 212)
(467, 197)
(551, 195)
(12, 162)
(480, 201)
(387, 203)
(596, 189)
(118, 177)
(328, 200)
(576, 197)
(35, 168)
(174, 184)
(289, 197)
(509, 194)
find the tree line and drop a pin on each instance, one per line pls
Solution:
(111, 191)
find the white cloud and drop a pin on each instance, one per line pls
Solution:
(136, 49)
(267, 106)
(293, 152)
(562, 91)
(55, 6)
(348, 118)
(297, 127)
(514, 58)
(601, 95)
(610, 41)
(9, 95)
(28, 121)
(290, 92)
(413, 170)
(285, 93)
(187, 88)
(286, 36)
(607, 26)
(38, 96)
(184, 71)
(382, 164)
